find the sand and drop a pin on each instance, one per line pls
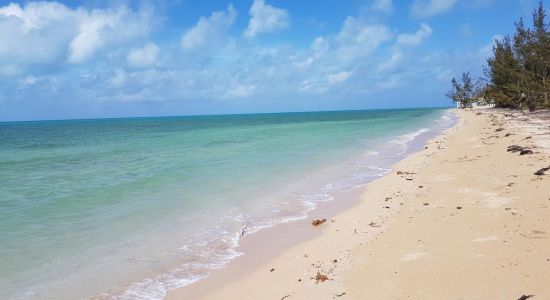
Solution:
(462, 219)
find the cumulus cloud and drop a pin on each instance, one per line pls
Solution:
(415, 38)
(209, 29)
(352, 47)
(265, 18)
(35, 34)
(357, 39)
(427, 8)
(385, 6)
(143, 57)
(98, 27)
(44, 32)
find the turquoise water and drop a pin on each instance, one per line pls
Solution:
(132, 207)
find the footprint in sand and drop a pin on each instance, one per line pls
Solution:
(413, 256)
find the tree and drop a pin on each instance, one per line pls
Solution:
(464, 92)
(508, 83)
(540, 55)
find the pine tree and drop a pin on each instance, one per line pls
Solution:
(465, 92)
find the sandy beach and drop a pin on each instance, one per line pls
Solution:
(462, 219)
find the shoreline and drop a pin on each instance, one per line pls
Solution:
(341, 248)
(262, 247)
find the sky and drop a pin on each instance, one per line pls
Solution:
(96, 59)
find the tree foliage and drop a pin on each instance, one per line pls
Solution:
(463, 92)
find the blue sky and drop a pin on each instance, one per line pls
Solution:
(87, 59)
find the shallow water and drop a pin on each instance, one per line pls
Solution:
(127, 208)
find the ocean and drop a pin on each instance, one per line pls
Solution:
(130, 208)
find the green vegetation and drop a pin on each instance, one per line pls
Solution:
(518, 73)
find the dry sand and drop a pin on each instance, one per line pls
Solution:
(462, 219)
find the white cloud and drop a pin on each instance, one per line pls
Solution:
(382, 5)
(339, 77)
(265, 18)
(427, 8)
(143, 57)
(357, 39)
(44, 32)
(209, 30)
(415, 38)
(35, 34)
(99, 27)
(36, 14)
(389, 65)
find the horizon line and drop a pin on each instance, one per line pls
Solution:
(220, 114)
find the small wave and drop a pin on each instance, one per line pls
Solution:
(409, 137)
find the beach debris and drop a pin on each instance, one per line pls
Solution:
(528, 137)
(542, 171)
(320, 277)
(426, 204)
(273, 269)
(526, 152)
(521, 150)
(405, 173)
(340, 295)
(388, 198)
(420, 186)
(335, 261)
(284, 297)
(373, 224)
(525, 297)
(499, 129)
(459, 207)
(514, 148)
(409, 179)
(318, 222)
(508, 134)
(477, 114)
